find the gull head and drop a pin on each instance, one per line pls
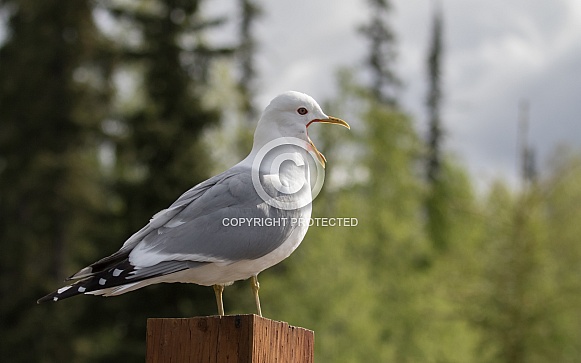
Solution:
(289, 115)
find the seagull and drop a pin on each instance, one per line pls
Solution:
(230, 227)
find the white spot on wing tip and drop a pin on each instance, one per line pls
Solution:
(82, 289)
(55, 298)
(102, 281)
(117, 272)
(63, 289)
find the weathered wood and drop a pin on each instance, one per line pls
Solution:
(234, 338)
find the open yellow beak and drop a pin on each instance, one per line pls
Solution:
(332, 120)
(329, 120)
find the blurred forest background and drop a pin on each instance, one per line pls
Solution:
(103, 126)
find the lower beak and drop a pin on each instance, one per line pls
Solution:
(328, 120)
(320, 156)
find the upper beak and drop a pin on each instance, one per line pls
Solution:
(328, 120)
(331, 120)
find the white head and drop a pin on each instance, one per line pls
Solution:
(289, 115)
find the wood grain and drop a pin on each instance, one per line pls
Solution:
(227, 339)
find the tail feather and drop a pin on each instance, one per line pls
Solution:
(118, 275)
(117, 258)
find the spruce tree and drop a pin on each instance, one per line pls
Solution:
(381, 54)
(53, 95)
(64, 206)
(250, 11)
(434, 99)
(524, 300)
(157, 153)
(439, 194)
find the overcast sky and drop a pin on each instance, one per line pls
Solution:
(497, 53)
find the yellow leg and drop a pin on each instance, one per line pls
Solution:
(255, 288)
(218, 290)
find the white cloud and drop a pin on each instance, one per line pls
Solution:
(497, 52)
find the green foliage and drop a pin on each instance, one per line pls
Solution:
(500, 291)
(347, 282)
(52, 96)
(157, 156)
(62, 204)
(517, 295)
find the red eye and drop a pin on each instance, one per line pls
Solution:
(302, 111)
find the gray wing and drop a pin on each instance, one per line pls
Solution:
(158, 220)
(202, 230)
(192, 228)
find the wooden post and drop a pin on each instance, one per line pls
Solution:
(232, 339)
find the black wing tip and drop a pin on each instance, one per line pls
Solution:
(75, 289)
(117, 275)
(102, 280)
(81, 274)
(87, 281)
(44, 299)
(53, 296)
(65, 292)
